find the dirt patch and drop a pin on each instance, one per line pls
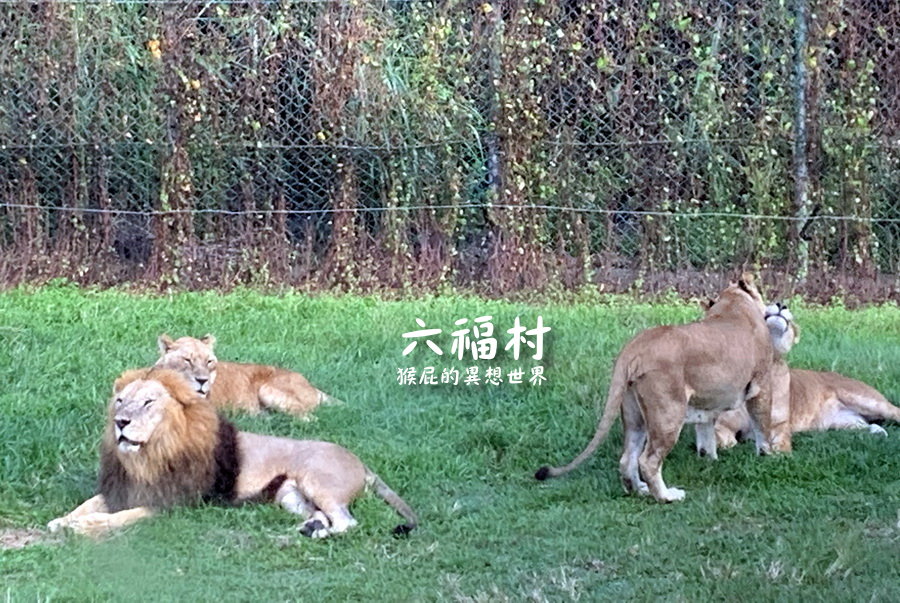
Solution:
(18, 538)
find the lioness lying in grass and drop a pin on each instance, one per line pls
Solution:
(250, 387)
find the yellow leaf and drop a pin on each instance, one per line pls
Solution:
(154, 47)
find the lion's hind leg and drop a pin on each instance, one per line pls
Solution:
(289, 392)
(664, 423)
(850, 419)
(292, 499)
(331, 517)
(320, 519)
(341, 519)
(651, 461)
(871, 405)
(635, 439)
(315, 523)
(323, 524)
(317, 526)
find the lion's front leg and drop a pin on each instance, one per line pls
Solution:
(97, 524)
(781, 408)
(92, 518)
(95, 504)
(759, 407)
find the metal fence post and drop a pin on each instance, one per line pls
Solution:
(801, 158)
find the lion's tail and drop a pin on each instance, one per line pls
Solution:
(617, 387)
(328, 399)
(393, 499)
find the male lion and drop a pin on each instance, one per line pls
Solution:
(250, 387)
(670, 375)
(165, 446)
(810, 400)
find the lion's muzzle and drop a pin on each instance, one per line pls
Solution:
(126, 444)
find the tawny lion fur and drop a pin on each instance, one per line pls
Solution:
(249, 387)
(812, 401)
(164, 445)
(670, 375)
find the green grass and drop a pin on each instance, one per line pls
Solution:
(822, 523)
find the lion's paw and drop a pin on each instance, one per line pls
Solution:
(877, 430)
(763, 448)
(57, 524)
(726, 440)
(92, 524)
(314, 528)
(672, 495)
(781, 446)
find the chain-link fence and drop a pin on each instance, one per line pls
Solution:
(504, 145)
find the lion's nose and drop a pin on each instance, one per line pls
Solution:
(201, 382)
(122, 423)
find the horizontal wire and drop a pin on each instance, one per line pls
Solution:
(338, 210)
(250, 144)
(188, 2)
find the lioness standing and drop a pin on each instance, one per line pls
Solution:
(250, 387)
(670, 375)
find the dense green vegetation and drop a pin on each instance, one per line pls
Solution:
(820, 523)
(506, 145)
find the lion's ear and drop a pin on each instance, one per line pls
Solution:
(208, 340)
(706, 304)
(165, 343)
(747, 281)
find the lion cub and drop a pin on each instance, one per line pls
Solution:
(250, 387)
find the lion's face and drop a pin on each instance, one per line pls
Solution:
(137, 410)
(781, 326)
(158, 445)
(193, 358)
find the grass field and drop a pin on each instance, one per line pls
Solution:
(823, 523)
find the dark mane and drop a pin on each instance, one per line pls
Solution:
(184, 481)
(227, 464)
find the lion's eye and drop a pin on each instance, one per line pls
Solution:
(188, 360)
(118, 401)
(209, 363)
(149, 402)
